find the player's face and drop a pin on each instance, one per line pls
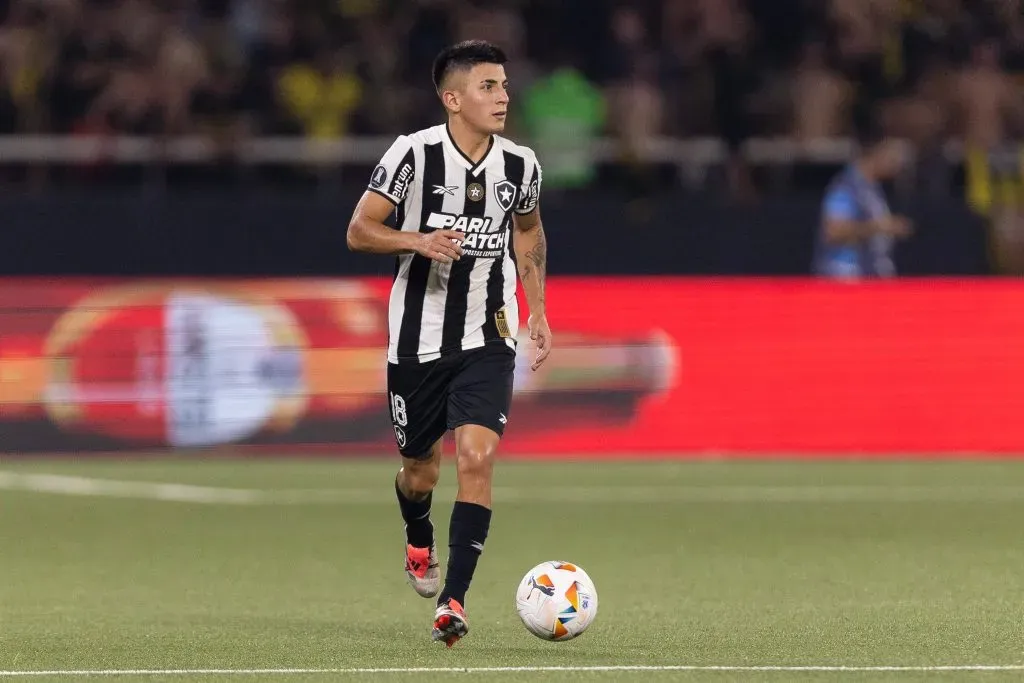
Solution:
(483, 98)
(891, 159)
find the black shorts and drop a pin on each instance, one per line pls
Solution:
(469, 387)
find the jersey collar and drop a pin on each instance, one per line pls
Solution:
(860, 178)
(463, 160)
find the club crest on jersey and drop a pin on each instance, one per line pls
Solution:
(475, 192)
(505, 193)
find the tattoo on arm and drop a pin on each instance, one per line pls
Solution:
(537, 258)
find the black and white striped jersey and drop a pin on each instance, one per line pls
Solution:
(435, 308)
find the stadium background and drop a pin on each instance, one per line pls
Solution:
(792, 478)
(177, 177)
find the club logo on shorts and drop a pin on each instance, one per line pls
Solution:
(379, 177)
(475, 192)
(400, 436)
(505, 193)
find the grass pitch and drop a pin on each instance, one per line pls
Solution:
(196, 564)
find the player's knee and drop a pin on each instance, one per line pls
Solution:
(421, 478)
(476, 459)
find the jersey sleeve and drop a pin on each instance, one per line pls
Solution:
(393, 176)
(530, 192)
(840, 205)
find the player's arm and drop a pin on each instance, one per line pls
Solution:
(532, 258)
(847, 231)
(368, 233)
(842, 226)
(390, 184)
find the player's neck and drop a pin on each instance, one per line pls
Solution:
(867, 170)
(473, 144)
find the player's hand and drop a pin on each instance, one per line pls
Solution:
(540, 332)
(443, 246)
(898, 226)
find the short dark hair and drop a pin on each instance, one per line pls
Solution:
(868, 130)
(870, 139)
(465, 55)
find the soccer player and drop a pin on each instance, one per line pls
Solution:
(858, 232)
(464, 197)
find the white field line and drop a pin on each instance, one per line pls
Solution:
(712, 493)
(514, 669)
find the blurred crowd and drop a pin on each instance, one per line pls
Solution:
(631, 68)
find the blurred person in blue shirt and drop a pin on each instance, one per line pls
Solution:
(858, 232)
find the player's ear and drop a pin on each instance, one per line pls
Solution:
(451, 100)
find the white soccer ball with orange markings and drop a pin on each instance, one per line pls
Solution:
(556, 601)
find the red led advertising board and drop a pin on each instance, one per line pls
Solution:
(652, 367)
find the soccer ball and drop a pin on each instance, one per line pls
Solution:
(556, 601)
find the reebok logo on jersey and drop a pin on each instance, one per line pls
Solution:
(446, 189)
(481, 241)
(502, 419)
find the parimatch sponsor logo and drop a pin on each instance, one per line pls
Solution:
(483, 239)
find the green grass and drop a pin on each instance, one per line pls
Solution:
(724, 563)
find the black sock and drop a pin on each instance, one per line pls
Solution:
(419, 532)
(469, 526)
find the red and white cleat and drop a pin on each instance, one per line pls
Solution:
(422, 570)
(450, 623)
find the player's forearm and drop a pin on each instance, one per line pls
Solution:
(373, 237)
(853, 232)
(532, 257)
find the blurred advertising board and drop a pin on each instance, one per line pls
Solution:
(112, 365)
(659, 367)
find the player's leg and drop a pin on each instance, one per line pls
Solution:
(468, 529)
(414, 487)
(476, 447)
(419, 421)
(478, 408)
